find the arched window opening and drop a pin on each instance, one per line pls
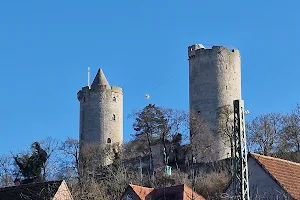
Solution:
(108, 140)
(114, 99)
(114, 117)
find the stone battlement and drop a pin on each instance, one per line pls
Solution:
(102, 87)
(199, 49)
(116, 89)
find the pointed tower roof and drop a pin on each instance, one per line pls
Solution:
(100, 79)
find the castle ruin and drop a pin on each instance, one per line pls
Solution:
(214, 82)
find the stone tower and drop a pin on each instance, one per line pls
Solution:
(214, 82)
(101, 112)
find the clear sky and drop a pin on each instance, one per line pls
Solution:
(46, 47)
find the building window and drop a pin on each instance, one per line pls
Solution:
(83, 99)
(108, 140)
(114, 99)
(114, 117)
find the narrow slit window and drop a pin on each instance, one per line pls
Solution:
(114, 117)
(108, 140)
(114, 99)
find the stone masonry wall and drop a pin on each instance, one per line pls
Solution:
(101, 115)
(214, 81)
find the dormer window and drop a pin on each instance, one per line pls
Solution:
(114, 99)
(114, 117)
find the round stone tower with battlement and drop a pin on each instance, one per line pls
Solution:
(101, 112)
(214, 82)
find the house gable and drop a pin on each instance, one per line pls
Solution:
(178, 192)
(261, 183)
(136, 192)
(63, 192)
(286, 173)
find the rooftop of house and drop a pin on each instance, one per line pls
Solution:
(44, 190)
(286, 173)
(178, 192)
(140, 191)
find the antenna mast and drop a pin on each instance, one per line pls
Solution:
(240, 175)
(89, 74)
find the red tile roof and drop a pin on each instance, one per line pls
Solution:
(178, 192)
(286, 173)
(142, 192)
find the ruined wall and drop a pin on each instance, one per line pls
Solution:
(214, 81)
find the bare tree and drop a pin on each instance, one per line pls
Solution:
(290, 137)
(69, 162)
(225, 126)
(178, 123)
(6, 170)
(202, 139)
(51, 166)
(264, 132)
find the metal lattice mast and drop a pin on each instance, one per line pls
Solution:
(240, 175)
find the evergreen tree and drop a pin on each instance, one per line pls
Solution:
(31, 166)
(151, 127)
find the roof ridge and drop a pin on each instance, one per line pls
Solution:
(274, 158)
(140, 186)
(29, 185)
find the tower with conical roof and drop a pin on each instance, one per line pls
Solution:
(101, 112)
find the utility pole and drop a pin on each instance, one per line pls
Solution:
(240, 175)
(141, 169)
(89, 79)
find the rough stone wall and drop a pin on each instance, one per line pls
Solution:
(116, 108)
(214, 81)
(101, 115)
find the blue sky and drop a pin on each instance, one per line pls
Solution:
(46, 47)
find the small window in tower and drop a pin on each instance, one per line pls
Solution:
(226, 87)
(114, 117)
(83, 99)
(108, 140)
(114, 99)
